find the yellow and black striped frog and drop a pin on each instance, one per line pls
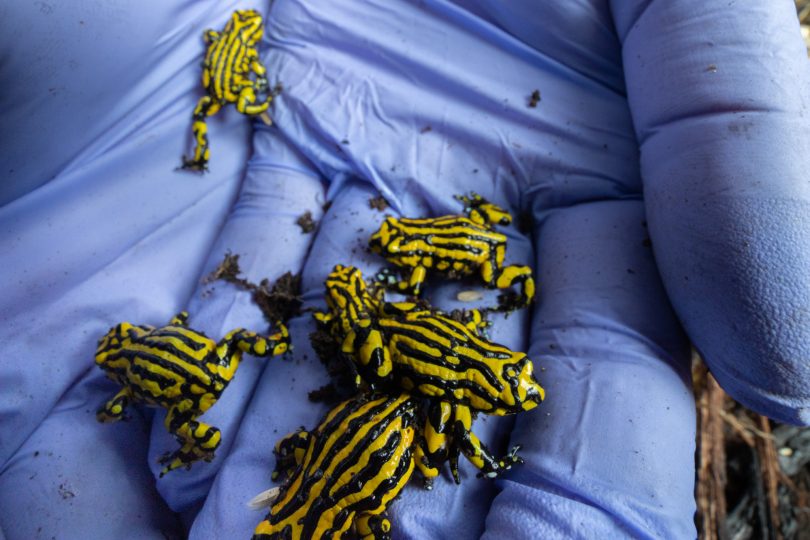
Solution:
(340, 478)
(454, 245)
(430, 354)
(181, 370)
(230, 60)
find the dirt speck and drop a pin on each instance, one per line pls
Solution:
(534, 98)
(306, 222)
(378, 203)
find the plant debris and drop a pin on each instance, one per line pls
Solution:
(278, 302)
(748, 485)
(306, 222)
(378, 203)
(534, 99)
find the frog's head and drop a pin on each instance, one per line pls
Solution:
(484, 212)
(386, 239)
(112, 341)
(347, 295)
(248, 23)
(521, 392)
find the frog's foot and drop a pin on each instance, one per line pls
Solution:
(199, 441)
(388, 277)
(503, 464)
(373, 526)
(113, 410)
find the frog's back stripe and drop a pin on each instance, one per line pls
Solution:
(427, 334)
(358, 460)
(227, 53)
(450, 227)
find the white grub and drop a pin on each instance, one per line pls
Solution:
(469, 296)
(264, 499)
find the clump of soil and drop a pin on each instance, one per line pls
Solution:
(534, 99)
(306, 222)
(378, 203)
(339, 367)
(278, 302)
(281, 301)
(228, 270)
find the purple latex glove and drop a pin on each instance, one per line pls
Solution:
(419, 103)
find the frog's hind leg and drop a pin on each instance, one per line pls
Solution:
(246, 103)
(113, 410)
(205, 107)
(475, 451)
(198, 440)
(370, 526)
(252, 343)
(514, 274)
(432, 447)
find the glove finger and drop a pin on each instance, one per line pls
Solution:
(77, 477)
(261, 229)
(610, 453)
(725, 164)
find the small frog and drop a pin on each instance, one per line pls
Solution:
(430, 354)
(340, 478)
(453, 245)
(230, 59)
(181, 370)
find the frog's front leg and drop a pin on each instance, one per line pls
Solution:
(373, 526)
(290, 452)
(198, 440)
(475, 451)
(364, 343)
(206, 107)
(113, 410)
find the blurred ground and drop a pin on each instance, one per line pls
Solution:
(753, 474)
(803, 8)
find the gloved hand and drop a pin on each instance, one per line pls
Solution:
(420, 103)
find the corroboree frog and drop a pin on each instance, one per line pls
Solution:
(181, 370)
(230, 59)
(453, 245)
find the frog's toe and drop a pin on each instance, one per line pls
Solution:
(196, 165)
